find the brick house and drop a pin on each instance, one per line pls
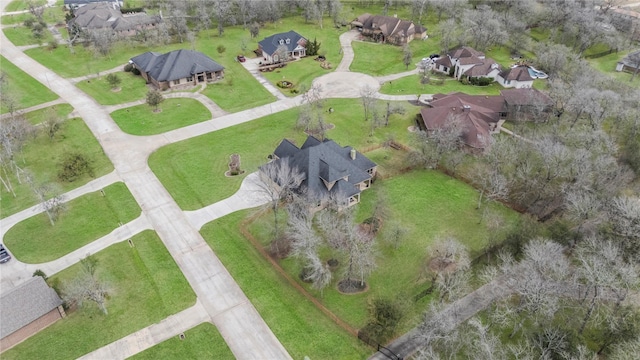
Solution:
(388, 29)
(27, 309)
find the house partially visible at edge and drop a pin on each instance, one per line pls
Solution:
(467, 62)
(27, 309)
(479, 116)
(107, 16)
(630, 63)
(329, 169)
(627, 21)
(177, 68)
(74, 4)
(388, 29)
(295, 44)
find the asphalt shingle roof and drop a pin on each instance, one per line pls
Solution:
(270, 44)
(23, 304)
(177, 64)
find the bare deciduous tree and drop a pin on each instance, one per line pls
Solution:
(278, 179)
(368, 100)
(87, 286)
(447, 263)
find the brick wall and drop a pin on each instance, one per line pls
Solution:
(29, 330)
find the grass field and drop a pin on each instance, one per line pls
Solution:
(145, 286)
(51, 15)
(436, 207)
(607, 65)
(42, 157)
(176, 113)
(18, 5)
(21, 35)
(300, 327)
(301, 73)
(86, 219)
(201, 342)
(193, 170)
(132, 88)
(384, 59)
(411, 85)
(38, 116)
(26, 90)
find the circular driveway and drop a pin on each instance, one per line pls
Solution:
(345, 84)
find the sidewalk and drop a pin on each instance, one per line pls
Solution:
(141, 340)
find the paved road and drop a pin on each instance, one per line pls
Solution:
(246, 333)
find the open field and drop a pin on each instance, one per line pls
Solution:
(25, 90)
(145, 286)
(42, 157)
(132, 88)
(193, 170)
(176, 113)
(21, 35)
(85, 219)
(300, 327)
(201, 342)
(38, 116)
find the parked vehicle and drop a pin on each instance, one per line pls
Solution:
(241, 58)
(4, 254)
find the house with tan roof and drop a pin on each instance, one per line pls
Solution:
(388, 29)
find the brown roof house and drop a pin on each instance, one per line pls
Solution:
(27, 309)
(388, 29)
(479, 116)
(178, 67)
(467, 62)
(294, 43)
(517, 77)
(527, 104)
(102, 15)
(328, 169)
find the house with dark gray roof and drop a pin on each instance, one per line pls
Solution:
(630, 63)
(27, 309)
(295, 44)
(74, 4)
(328, 168)
(107, 16)
(177, 68)
(388, 29)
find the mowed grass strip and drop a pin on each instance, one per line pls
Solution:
(193, 170)
(176, 113)
(202, 342)
(86, 219)
(21, 36)
(42, 157)
(145, 286)
(298, 324)
(26, 90)
(131, 88)
(62, 111)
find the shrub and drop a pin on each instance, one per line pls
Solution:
(221, 49)
(53, 44)
(113, 80)
(29, 22)
(128, 67)
(481, 81)
(41, 274)
(73, 166)
(135, 71)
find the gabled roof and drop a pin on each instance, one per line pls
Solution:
(518, 73)
(177, 64)
(388, 25)
(270, 44)
(107, 16)
(445, 61)
(628, 62)
(483, 68)
(326, 160)
(525, 96)
(24, 304)
(465, 52)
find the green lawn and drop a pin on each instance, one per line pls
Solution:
(193, 170)
(26, 90)
(145, 285)
(132, 88)
(438, 205)
(383, 59)
(411, 85)
(86, 219)
(18, 5)
(24, 36)
(42, 157)
(301, 73)
(300, 326)
(51, 15)
(201, 342)
(176, 113)
(607, 65)
(38, 116)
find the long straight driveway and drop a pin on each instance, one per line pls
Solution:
(246, 333)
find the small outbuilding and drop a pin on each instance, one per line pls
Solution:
(27, 309)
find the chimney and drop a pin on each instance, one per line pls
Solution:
(353, 154)
(466, 108)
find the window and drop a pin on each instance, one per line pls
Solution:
(280, 41)
(190, 78)
(288, 41)
(176, 82)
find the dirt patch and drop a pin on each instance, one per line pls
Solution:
(441, 265)
(351, 286)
